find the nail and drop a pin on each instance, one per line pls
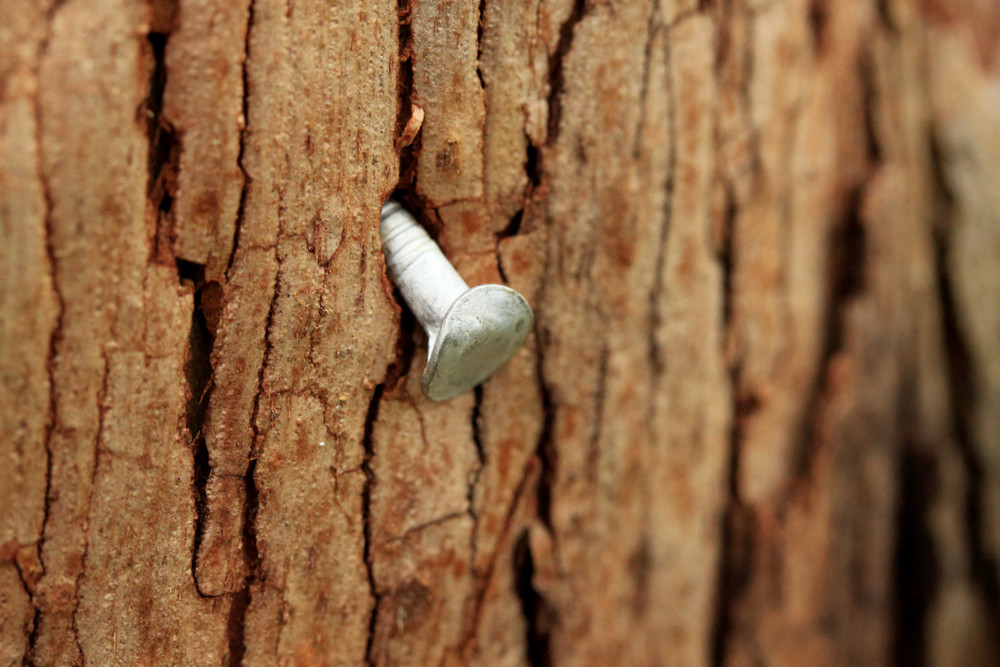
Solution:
(470, 332)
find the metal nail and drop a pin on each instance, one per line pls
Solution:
(470, 332)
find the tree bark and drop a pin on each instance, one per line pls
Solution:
(757, 422)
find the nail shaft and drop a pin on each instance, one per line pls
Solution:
(428, 281)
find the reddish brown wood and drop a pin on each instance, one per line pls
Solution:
(756, 422)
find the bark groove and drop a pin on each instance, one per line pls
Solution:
(755, 423)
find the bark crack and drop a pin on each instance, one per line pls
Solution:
(917, 573)
(52, 421)
(983, 566)
(479, 600)
(532, 165)
(557, 63)
(735, 550)
(422, 527)
(163, 153)
(512, 229)
(733, 566)
(652, 27)
(253, 559)
(538, 614)
(846, 284)
(366, 516)
(404, 93)
(198, 370)
(479, 43)
(241, 158)
(594, 438)
(545, 450)
(477, 440)
(161, 185)
(657, 362)
(81, 576)
(240, 600)
(28, 588)
(846, 278)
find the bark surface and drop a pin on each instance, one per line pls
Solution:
(757, 422)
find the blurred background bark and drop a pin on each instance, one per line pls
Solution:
(758, 422)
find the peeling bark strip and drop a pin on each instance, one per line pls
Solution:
(755, 424)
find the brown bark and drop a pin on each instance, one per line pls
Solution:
(756, 424)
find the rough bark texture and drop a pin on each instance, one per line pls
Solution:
(757, 423)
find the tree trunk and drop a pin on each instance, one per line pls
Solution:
(757, 422)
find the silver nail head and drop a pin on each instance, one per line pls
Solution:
(470, 332)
